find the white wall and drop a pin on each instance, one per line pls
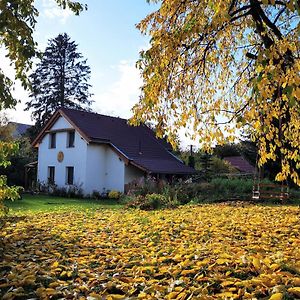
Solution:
(104, 169)
(61, 123)
(73, 157)
(95, 168)
(132, 173)
(114, 175)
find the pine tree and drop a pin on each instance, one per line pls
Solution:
(60, 80)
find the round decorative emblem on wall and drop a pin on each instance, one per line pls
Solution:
(60, 156)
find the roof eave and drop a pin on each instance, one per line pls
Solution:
(173, 173)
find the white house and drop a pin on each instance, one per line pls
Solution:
(100, 153)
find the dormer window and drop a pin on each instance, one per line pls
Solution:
(52, 140)
(71, 139)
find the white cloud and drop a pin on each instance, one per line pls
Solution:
(120, 96)
(51, 10)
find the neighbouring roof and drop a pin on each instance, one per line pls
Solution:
(240, 163)
(19, 128)
(137, 144)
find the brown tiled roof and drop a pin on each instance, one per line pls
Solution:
(138, 144)
(240, 163)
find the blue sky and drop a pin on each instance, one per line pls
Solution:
(107, 37)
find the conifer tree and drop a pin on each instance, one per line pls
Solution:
(60, 80)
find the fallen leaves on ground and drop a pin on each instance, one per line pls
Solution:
(203, 252)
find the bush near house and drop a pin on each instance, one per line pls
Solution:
(151, 202)
(114, 194)
(72, 191)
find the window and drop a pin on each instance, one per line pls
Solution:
(52, 141)
(69, 175)
(51, 175)
(71, 139)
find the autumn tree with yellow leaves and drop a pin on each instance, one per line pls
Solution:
(219, 67)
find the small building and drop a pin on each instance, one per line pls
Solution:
(101, 153)
(240, 164)
(19, 128)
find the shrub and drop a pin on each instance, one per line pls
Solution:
(96, 195)
(232, 186)
(125, 199)
(220, 166)
(135, 201)
(154, 201)
(58, 191)
(114, 194)
(75, 191)
(148, 186)
(177, 193)
(151, 202)
(72, 191)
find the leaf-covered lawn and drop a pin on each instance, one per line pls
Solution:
(205, 252)
(44, 203)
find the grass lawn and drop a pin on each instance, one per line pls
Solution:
(43, 203)
(213, 251)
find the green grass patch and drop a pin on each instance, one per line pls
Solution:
(44, 203)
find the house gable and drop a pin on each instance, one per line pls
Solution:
(58, 122)
(60, 156)
(97, 166)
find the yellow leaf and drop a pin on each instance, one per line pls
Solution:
(172, 295)
(117, 296)
(50, 291)
(259, 69)
(54, 284)
(63, 273)
(142, 295)
(277, 296)
(222, 261)
(295, 291)
(296, 281)
(177, 257)
(256, 263)
(181, 296)
(69, 274)
(55, 264)
(187, 272)
(227, 283)
(297, 93)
